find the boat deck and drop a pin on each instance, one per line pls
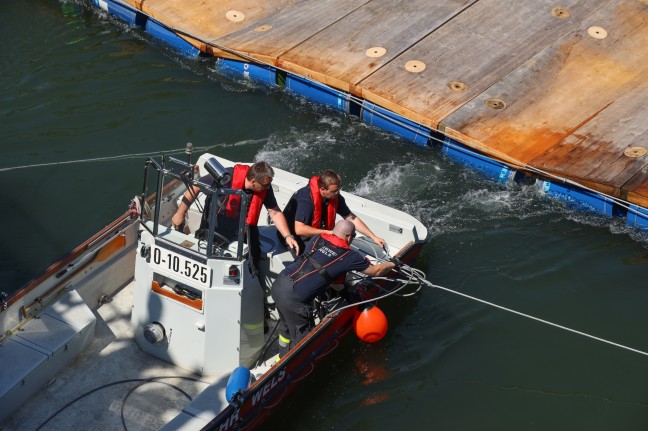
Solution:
(557, 87)
(109, 367)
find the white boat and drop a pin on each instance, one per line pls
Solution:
(145, 327)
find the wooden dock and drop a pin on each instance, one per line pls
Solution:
(560, 87)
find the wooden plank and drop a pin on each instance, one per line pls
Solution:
(368, 38)
(602, 149)
(212, 19)
(563, 89)
(262, 30)
(637, 188)
(278, 33)
(477, 49)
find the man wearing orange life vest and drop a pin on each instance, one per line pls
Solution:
(255, 180)
(312, 209)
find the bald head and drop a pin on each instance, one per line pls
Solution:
(343, 229)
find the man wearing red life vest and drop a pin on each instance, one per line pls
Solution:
(255, 180)
(326, 259)
(312, 209)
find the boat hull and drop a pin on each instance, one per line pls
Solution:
(265, 394)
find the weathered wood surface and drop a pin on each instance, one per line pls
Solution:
(558, 87)
(379, 32)
(575, 106)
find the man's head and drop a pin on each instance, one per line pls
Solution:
(260, 176)
(329, 184)
(344, 229)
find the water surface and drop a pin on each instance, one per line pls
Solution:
(77, 85)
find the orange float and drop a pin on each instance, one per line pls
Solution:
(370, 324)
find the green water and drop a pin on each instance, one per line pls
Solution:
(76, 85)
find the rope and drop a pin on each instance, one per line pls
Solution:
(403, 283)
(103, 159)
(420, 277)
(537, 319)
(409, 276)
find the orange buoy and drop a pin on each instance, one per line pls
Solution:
(370, 324)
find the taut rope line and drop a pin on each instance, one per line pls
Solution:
(413, 276)
(421, 277)
(99, 159)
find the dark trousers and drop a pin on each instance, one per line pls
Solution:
(295, 316)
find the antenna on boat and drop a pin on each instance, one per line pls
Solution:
(189, 151)
(3, 301)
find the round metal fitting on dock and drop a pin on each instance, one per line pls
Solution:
(457, 86)
(235, 16)
(376, 51)
(597, 32)
(560, 12)
(415, 66)
(635, 152)
(496, 104)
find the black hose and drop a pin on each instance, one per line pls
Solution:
(154, 379)
(144, 381)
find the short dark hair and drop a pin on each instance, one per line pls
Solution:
(260, 171)
(328, 178)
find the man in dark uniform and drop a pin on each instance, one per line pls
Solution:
(327, 258)
(312, 209)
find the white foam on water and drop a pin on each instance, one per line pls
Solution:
(293, 149)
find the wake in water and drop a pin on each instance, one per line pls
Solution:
(445, 196)
(450, 198)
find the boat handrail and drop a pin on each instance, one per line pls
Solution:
(186, 173)
(112, 229)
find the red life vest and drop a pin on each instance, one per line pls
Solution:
(336, 241)
(331, 210)
(234, 202)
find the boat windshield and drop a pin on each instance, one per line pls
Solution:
(215, 224)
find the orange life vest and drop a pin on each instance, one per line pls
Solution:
(234, 202)
(331, 210)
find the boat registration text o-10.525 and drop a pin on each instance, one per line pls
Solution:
(181, 266)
